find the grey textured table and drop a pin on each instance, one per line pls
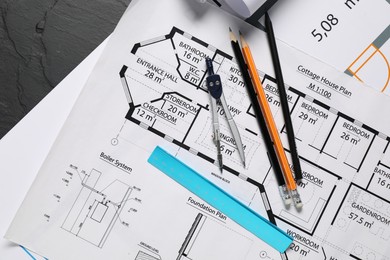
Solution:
(41, 41)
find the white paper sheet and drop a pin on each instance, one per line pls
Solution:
(353, 36)
(96, 197)
(26, 146)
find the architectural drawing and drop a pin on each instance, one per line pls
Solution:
(334, 28)
(145, 256)
(195, 243)
(148, 90)
(337, 151)
(373, 58)
(95, 212)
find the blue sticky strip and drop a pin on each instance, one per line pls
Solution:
(220, 200)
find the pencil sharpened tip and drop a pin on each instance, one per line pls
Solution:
(242, 40)
(232, 36)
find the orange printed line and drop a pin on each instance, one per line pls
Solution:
(388, 70)
(361, 54)
(354, 75)
(377, 50)
(364, 63)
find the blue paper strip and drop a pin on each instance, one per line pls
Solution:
(220, 200)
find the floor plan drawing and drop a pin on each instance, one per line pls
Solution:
(337, 149)
(172, 115)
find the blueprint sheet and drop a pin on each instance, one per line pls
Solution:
(351, 35)
(97, 197)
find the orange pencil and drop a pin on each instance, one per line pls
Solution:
(270, 122)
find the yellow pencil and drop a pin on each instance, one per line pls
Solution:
(270, 122)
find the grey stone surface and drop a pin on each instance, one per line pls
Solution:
(41, 41)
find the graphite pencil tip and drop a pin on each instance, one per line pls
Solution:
(232, 36)
(242, 40)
